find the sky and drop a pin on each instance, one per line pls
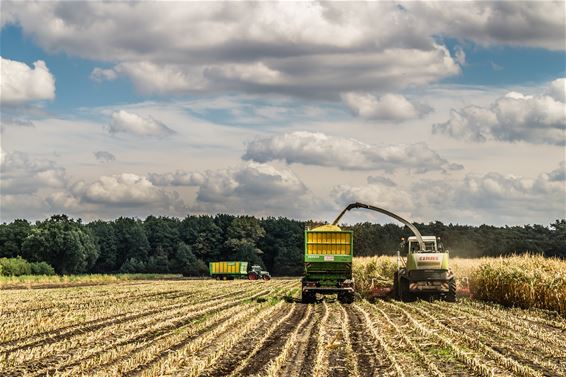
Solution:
(439, 113)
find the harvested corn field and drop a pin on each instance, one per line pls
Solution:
(242, 328)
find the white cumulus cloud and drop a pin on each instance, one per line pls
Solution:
(392, 107)
(21, 83)
(378, 194)
(111, 196)
(314, 148)
(539, 119)
(253, 188)
(22, 174)
(130, 123)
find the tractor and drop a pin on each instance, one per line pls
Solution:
(257, 273)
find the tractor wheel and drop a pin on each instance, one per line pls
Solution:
(451, 296)
(266, 277)
(252, 276)
(346, 297)
(308, 297)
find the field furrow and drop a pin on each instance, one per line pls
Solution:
(394, 368)
(296, 357)
(336, 344)
(369, 357)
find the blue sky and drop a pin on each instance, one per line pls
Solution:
(131, 109)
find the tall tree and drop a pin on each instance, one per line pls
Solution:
(186, 263)
(242, 237)
(131, 240)
(12, 237)
(63, 243)
(105, 237)
(162, 234)
(204, 237)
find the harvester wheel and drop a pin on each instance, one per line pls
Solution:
(404, 293)
(451, 296)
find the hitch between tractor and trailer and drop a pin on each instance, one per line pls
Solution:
(344, 290)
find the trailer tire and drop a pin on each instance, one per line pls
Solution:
(308, 297)
(346, 297)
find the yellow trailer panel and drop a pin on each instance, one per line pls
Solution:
(328, 240)
(228, 268)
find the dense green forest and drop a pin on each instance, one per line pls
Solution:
(172, 245)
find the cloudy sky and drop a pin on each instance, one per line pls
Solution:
(452, 113)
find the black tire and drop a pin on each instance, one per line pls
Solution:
(451, 295)
(396, 293)
(346, 297)
(404, 293)
(308, 297)
(252, 276)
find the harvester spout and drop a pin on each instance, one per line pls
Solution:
(385, 212)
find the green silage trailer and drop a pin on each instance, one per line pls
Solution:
(328, 263)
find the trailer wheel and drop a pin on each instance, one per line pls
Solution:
(346, 297)
(451, 296)
(308, 297)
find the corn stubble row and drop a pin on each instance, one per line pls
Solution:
(525, 281)
(119, 336)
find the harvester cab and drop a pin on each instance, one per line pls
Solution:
(257, 273)
(423, 272)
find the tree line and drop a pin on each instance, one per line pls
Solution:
(185, 246)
